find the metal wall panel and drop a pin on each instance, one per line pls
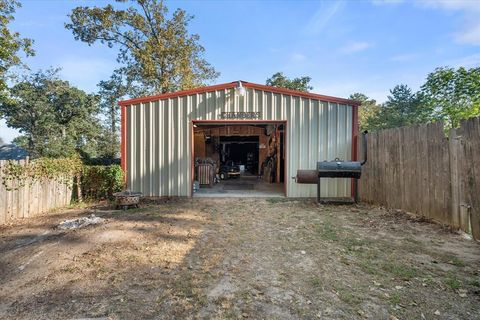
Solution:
(159, 144)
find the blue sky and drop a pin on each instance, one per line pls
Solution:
(344, 46)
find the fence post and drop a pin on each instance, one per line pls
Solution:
(455, 180)
(79, 187)
(472, 179)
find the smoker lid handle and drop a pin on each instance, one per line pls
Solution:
(364, 138)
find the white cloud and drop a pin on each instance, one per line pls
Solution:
(387, 1)
(452, 4)
(404, 57)
(356, 46)
(321, 17)
(85, 72)
(470, 35)
(470, 31)
(467, 61)
(298, 57)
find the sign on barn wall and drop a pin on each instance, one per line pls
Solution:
(241, 115)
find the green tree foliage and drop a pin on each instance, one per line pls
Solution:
(110, 92)
(448, 95)
(11, 44)
(281, 81)
(452, 95)
(55, 118)
(403, 107)
(21, 141)
(156, 51)
(368, 112)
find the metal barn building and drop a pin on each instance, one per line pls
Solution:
(268, 132)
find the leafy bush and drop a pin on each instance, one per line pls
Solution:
(60, 169)
(100, 182)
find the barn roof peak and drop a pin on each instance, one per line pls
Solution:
(246, 84)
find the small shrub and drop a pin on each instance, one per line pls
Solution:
(100, 182)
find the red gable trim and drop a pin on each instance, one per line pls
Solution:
(178, 93)
(246, 85)
(301, 94)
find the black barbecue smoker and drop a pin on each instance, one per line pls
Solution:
(335, 169)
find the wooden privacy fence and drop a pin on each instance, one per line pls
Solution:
(27, 199)
(420, 170)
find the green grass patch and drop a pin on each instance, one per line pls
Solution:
(475, 282)
(447, 258)
(368, 266)
(277, 200)
(429, 281)
(369, 261)
(80, 205)
(395, 298)
(316, 282)
(454, 260)
(452, 282)
(348, 296)
(413, 241)
(327, 231)
(354, 245)
(400, 271)
(412, 246)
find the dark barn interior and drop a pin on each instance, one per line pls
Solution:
(239, 157)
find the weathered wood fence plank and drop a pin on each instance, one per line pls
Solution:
(32, 198)
(420, 170)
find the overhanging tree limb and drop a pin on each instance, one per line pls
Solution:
(156, 52)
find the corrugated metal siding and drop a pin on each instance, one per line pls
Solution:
(159, 138)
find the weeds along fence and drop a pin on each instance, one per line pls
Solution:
(421, 170)
(23, 199)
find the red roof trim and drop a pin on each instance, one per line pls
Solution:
(246, 85)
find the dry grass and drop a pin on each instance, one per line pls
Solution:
(238, 258)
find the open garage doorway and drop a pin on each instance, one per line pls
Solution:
(239, 159)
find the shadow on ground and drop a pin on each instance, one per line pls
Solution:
(238, 258)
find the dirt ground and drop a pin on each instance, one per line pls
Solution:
(238, 258)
